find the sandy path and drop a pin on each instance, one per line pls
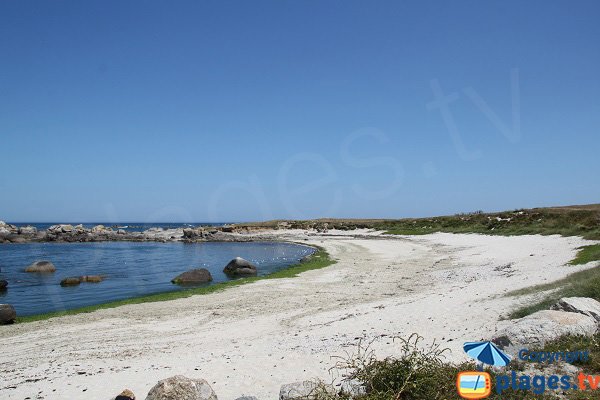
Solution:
(253, 338)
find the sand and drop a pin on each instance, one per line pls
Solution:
(254, 338)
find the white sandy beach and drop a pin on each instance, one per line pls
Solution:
(253, 338)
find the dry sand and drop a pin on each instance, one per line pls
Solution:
(254, 338)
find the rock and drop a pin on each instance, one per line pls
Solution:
(92, 278)
(66, 228)
(7, 314)
(71, 281)
(581, 305)
(181, 388)
(303, 390)
(126, 395)
(121, 232)
(200, 275)
(239, 266)
(27, 230)
(98, 229)
(543, 326)
(247, 398)
(41, 267)
(3, 285)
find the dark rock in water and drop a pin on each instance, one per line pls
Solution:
(3, 285)
(92, 278)
(126, 395)
(41, 267)
(240, 267)
(8, 315)
(200, 275)
(71, 281)
(181, 388)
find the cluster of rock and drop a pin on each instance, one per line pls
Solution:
(76, 280)
(180, 387)
(13, 234)
(569, 316)
(238, 267)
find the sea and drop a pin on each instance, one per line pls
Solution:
(131, 269)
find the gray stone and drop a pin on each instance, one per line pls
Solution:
(28, 230)
(543, 326)
(240, 267)
(126, 395)
(199, 275)
(41, 267)
(7, 314)
(581, 305)
(181, 388)
(247, 398)
(303, 390)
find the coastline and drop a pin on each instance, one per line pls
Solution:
(380, 286)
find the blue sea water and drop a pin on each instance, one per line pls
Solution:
(131, 268)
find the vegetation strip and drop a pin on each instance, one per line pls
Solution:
(319, 259)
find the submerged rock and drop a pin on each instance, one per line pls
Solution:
(199, 275)
(41, 267)
(240, 267)
(71, 281)
(126, 395)
(3, 285)
(181, 388)
(8, 315)
(581, 305)
(543, 326)
(92, 278)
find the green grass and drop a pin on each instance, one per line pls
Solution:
(543, 221)
(319, 259)
(587, 254)
(579, 284)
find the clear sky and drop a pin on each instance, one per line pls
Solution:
(251, 110)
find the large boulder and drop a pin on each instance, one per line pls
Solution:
(41, 267)
(240, 267)
(8, 315)
(543, 326)
(181, 388)
(3, 285)
(581, 305)
(194, 276)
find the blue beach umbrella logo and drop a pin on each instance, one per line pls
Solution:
(487, 353)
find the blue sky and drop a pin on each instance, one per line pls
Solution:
(251, 110)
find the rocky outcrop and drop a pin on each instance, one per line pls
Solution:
(8, 315)
(181, 388)
(240, 267)
(126, 395)
(194, 276)
(543, 326)
(41, 267)
(581, 305)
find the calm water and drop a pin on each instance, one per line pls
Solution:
(132, 269)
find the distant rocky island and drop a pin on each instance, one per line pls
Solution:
(10, 233)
